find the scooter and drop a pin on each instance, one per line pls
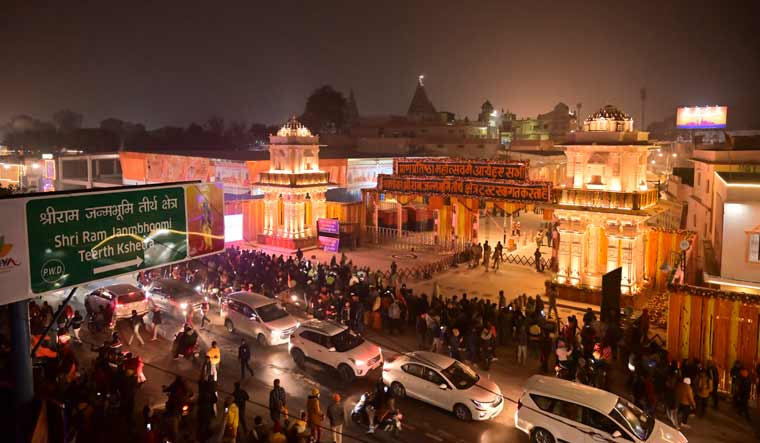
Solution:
(193, 351)
(390, 422)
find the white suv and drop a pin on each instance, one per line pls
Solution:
(334, 345)
(555, 410)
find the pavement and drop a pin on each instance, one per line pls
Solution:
(422, 423)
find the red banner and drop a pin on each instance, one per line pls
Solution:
(477, 169)
(495, 190)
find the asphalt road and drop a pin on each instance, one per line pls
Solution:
(421, 422)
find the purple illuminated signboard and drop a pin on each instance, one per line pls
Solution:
(328, 226)
(329, 244)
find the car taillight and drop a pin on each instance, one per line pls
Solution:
(386, 368)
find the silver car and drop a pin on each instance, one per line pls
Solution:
(174, 297)
(258, 316)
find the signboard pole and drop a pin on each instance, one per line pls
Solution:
(23, 391)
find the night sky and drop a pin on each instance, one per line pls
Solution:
(170, 63)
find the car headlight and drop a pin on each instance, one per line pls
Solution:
(183, 306)
(358, 362)
(275, 332)
(481, 405)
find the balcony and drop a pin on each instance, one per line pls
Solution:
(606, 199)
(294, 180)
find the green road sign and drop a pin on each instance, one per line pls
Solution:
(80, 238)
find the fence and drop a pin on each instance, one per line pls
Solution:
(409, 240)
(525, 260)
(424, 271)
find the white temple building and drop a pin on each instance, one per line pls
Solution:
(605, 203)
(294, 188)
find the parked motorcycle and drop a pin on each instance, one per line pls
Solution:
(390, 422)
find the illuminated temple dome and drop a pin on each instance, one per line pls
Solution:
(608, 118)
(294, 128)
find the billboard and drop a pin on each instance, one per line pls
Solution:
(701, 117)
(61, 240)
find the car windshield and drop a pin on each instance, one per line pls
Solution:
(630, 416)
(460, 375)
(271, 312)
(345, 341)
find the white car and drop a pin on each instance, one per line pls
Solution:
(444, 382)
(123, 298)
(333, 344)
(257, 316)
(552, 410)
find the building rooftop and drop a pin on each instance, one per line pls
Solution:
(608, 112)
(686, 175)
(421, 106)
(739, 177)
(547, 153)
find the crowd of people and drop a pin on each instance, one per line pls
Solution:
(470, 329)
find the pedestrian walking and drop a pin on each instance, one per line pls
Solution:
(522, 344)
(314, 415)
(241, 397)
(553, 304)
(277, 403)
(157, 320)
(337, 417)
(712, 372)
(231, 421)
(204, 313)
(704, 388)
(743, 388)
(497, 255)
(215, 356)
(136, 321)
(486, 254)
(244, 356)
(394, 316)
(537, 257)
(76, 325)
(685, 401)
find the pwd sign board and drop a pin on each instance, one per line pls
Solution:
(82, 237)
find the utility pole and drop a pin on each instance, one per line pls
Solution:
(643, 93)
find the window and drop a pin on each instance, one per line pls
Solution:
(603, 423)
(754, 247)
(434, 377)
(544, 403)
(699, 178)
(415, 370)
(707, 187)
(633, 418)
(695, 221)
(311, 336)
(568, 410)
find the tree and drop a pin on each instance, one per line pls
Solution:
(68, 120)
(215, 125)
(236, 135)
(324, 111)
(113, 125)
